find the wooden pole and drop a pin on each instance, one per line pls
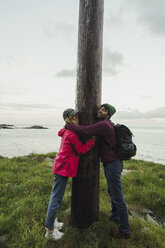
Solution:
(85, 187)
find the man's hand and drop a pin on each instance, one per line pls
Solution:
(94, 138)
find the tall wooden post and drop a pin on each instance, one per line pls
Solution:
(85, 187)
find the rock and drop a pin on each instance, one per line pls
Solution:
(135, 215)
(5, 126)
(34, 158)
(125, 172)
(151, 220)
(147, 218)
(35, 127)
(3, 239)
(147, 211)
(132, 213)
(40, 159)
(162, 222)
(37, 158)
(49, 162)
(48, 159)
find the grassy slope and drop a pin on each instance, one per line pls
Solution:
(25, 186)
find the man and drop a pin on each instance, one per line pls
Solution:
(113, 167)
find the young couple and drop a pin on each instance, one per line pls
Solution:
(66, 165)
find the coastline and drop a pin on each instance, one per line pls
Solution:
(19, 142)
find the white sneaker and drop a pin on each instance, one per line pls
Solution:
(53, 235)
(58, 225)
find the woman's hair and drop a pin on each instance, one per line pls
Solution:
(69, 119)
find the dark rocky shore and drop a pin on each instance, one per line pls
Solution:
(6, 126)
(35, 127)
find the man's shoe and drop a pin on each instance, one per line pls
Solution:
(53, 235)
(58, 225)
(118, 235)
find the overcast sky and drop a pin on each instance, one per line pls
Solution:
(38, 55)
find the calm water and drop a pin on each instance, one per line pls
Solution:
(150, 142)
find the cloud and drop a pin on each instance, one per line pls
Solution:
(7, 59)
(14, 61)
(54, 29)
(23, 106)
(146, 97)
(65, 73)
(114, 20)
(150, 13)
(111, 60)
(136, 114)
(8, 90)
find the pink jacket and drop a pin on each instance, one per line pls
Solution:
(67, 159)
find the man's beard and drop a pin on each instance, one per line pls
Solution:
(101, 118)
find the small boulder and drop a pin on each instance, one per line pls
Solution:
(151, 220)
(3, 239)
(147, 211)
(36, 127)
(49, 162)
(5, 126)
(125, 172)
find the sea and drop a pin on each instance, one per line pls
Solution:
(150, 142)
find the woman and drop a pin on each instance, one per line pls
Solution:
(65, 165)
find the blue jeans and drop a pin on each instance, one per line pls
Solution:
(56, 197)
(119, 209)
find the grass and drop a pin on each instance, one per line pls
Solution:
(25, 186)
(145, 186)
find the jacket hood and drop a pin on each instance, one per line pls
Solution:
(61, 132)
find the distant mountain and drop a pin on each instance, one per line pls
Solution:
(136, 114)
